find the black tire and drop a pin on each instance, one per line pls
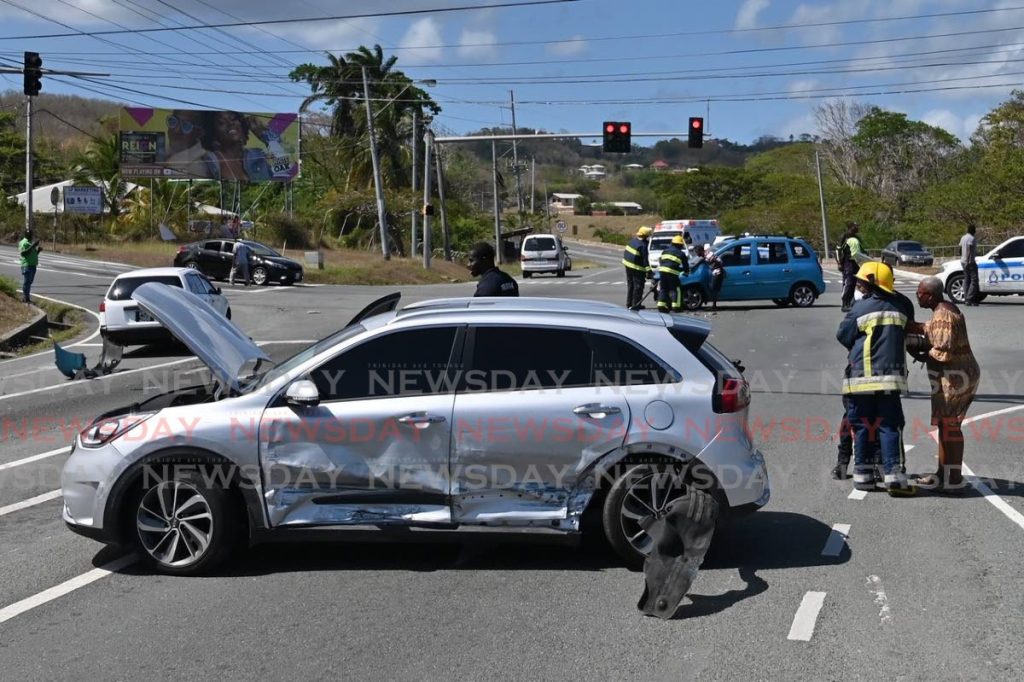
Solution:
(526, 275)
(955, 288)
(781, 302)
(693, 298)
(560, 273)
(803, 295)
(191, 265)
(621, 505)
(259, 276)
(224, 530)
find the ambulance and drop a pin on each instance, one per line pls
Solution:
(694, 232)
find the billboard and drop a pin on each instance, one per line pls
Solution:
(83, 200)
(214, 145)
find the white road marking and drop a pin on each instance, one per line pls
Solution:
(858, 494)
(30, 502)
(998, 502)
(875, 587)
(66, 587)
(806, 616)
(34, 458)
(836, 540)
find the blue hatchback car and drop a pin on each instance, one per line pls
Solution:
(783, 269)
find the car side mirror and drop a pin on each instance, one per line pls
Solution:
(216, 290)
(996, 254)
(302, 393)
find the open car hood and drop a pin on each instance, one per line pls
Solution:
(212, 337)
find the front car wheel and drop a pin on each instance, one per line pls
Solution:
(803, 295)
(259, 276)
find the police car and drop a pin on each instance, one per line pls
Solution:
(1000, 272)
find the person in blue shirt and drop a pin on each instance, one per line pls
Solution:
(493, 282)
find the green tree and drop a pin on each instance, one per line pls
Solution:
(100, 164)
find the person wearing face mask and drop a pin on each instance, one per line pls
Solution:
(874, 334)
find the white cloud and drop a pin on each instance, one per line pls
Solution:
(477, 43)
(573, 46)
(799, 87)
(961, 126)
(804, 123)
(418, 43)
(747, 15)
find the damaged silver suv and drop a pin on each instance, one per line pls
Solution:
(519, 414)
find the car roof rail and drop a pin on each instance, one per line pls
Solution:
(528, 304)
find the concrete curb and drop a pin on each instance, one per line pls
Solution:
(37, 327)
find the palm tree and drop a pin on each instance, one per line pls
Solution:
(100, 164)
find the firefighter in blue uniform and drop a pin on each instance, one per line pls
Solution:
(638, 267)
(673, 264)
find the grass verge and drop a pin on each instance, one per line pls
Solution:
(73, 320)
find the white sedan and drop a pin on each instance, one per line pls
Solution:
(1000, 272)
(123, 322)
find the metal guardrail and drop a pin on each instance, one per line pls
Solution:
(942, 254)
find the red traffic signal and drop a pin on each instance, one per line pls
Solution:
(696, 130)
(617, 137)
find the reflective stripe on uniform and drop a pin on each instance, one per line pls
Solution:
(663, 267)
(888, 382)
(869, 321)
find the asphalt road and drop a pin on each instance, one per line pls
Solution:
(922, 588)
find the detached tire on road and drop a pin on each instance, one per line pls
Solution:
(259, 275)
(186, 523)
(642, 491)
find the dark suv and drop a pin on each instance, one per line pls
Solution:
(213, 258)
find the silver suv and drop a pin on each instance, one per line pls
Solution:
(516, 414)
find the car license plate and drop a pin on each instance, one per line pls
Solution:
(142, 316)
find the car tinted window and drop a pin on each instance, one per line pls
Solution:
(516, 358)
(772, 253)
(411, 362)
(1014, 249)
(121, 290)
(738, 255)
(212, 246)
(660, 243)
(799, 250)
(911, 246)
(539, 244)
(260, 249)
(617, 362)
(194, 284)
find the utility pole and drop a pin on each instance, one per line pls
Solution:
(533, 184)
(379, 190)
(444, 211)
(188, 207)
(428, 138)
(28, 163)
(497, 212)
(821, 199)
(515, 154)
(415, 144)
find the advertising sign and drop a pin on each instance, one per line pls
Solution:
(83, 200)
(212, 145)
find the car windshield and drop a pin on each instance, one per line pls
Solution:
(261, 250)
(911, 246)
(123, 288)
(304, 355)
(539, 244)
(661, 243)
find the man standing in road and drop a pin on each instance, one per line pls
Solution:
(493, 282)
(850, 255)
(874, 333)
(29, 252)
(240, 263)
(638, 267)
(969, 262)
(673, 263)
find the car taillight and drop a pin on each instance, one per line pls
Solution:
(733, 396)
(182, 249)
(103, 306)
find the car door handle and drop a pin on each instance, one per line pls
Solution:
(787, 269)
(596, 411)
(747, 273)
(421, 419)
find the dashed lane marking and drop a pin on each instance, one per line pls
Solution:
(836, 540)
(34, 458)
(30, 502)
(806, 617)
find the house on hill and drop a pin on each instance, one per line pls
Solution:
(564, 202)
(659, 165)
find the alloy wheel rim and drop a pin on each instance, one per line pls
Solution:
(956, 290)
(175, 523)
(192, 265)
(259, 276)
(647, 497)
(803, 296)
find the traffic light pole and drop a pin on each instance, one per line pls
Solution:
(28, 164)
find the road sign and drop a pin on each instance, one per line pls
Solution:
(83, 200)
(560, 226)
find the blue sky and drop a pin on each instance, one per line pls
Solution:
(571, 65)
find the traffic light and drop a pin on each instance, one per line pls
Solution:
(617, 137)
(33, 72)
(696, 132)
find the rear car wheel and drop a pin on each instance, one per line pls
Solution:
(526, 275)
(693, 298)
(802, 295)
(955, 287)
(638, 496)
(186, 524)
(191, 265)
(259, 276)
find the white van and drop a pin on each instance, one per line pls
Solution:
(694, 232)
(544, 253)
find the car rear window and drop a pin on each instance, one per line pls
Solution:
(122, 289)
(800, 251)
(539, 244)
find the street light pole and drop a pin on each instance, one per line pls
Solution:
(415, 144)
(377, 184)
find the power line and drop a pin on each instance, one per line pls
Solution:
(267, 22)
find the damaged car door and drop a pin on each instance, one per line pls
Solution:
(372, 446)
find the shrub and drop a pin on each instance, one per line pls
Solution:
(8, 286)
(610, 236)
(278, 228)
